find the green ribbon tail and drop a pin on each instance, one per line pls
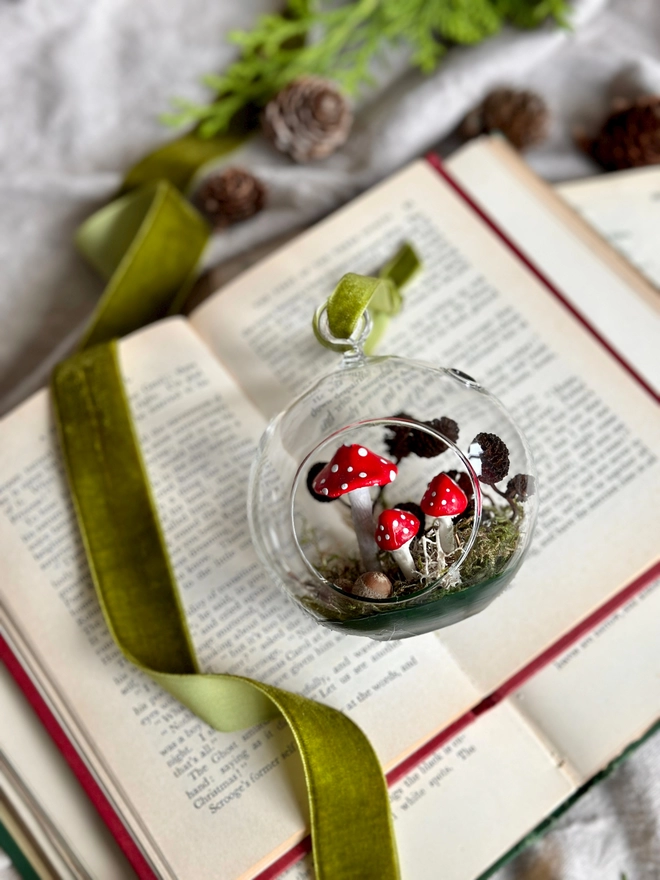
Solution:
(351, 824)
(147, 245)
(354, 294)
(178, 161)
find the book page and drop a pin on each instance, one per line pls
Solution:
(470, 801)
(186, 791)
(604, 288)
(604, 691)
(52, 801)
(593, 430)
(495, 776)
(624, 206)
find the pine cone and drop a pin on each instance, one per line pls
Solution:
(230, 196)
(399, 442)
(428, 447)
(521, 116)
(494, 458)
(630, 137)
(521, 486)
(309, 119)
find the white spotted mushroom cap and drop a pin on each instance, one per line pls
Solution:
(443, 497)
(395, 528)
(353, 467)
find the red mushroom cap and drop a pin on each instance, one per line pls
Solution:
(395, 528)
(443, 497)
(353, 467)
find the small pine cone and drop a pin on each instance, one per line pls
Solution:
(428, 447)
(494, 458)
(308, 119)
(521, 486)
(399, 442)
(521, 116)
(230, 196)
(630, 137)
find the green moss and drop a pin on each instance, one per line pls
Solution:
(495, 543)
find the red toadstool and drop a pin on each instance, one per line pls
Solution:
(444, 499)
(351, 471)
(394, 532)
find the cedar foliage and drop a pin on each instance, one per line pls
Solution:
(339, 42)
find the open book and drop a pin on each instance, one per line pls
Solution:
(489, 725)
(624, 206)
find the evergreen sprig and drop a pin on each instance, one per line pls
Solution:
(339, 42)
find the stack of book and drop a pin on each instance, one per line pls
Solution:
(485, 729)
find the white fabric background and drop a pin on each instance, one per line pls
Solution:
(81, 85)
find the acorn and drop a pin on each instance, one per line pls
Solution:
(373, 585)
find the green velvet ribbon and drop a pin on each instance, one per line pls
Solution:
(148, 244)
(354, 294)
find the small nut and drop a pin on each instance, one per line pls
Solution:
(373, 585)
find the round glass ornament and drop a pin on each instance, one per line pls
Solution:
(406, 413)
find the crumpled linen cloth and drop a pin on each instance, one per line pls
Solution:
(82, 84)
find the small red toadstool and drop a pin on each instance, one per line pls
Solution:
(352, 470)
(394, 532)
(444, 499)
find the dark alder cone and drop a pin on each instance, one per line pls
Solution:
(630, 137)
(416, 510)
(311, 475)
(521, 486)
(428, 447)
(521, 116)
(308, 119)
(494, 458)
(230, 196)
(398, 441)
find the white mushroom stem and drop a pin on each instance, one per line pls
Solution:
(363, 522)
(423, 542)
(404, 560)
(445, 529)
(440, 556)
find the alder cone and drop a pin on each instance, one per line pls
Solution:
(230, 196)
(630, 138)
(398, 439)
(426, 446)
(308, 119)
(521, 116)
(494, 458)
(521, 486)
